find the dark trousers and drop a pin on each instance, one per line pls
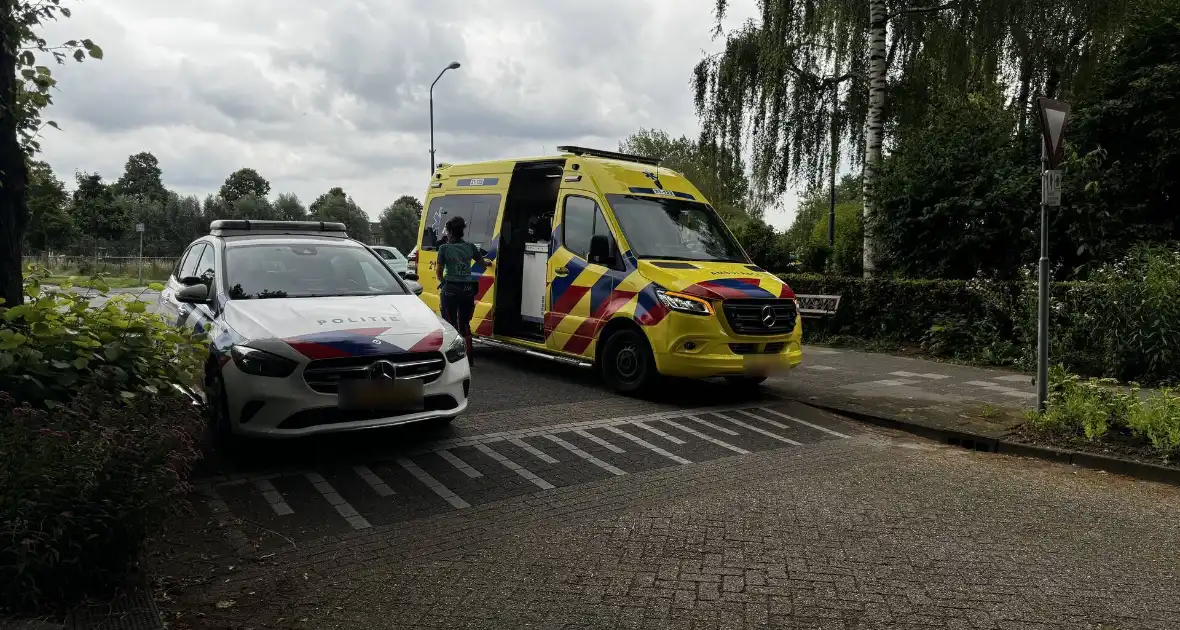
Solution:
(458, 304)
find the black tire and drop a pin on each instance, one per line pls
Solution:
(627, 363)
(220, 427)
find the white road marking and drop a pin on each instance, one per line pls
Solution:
(599, 441)
(584, 455)
(1016, 378)
(514, 467)
(463, 466)
(712, 440)
(272, 496)
(648, 445)
(220, 510)
(931, 376)
(1020, 394)
(343, 507)
(819, 351)
(821, 368)
(882, 383)
(986, 384)
(755, 429)
(432, 483)
(715, 427)
(531, 450)
(380, 487)
(671, 438)
(798, 421)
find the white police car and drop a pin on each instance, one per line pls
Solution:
(311, 332)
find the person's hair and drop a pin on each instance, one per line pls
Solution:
(456, 226)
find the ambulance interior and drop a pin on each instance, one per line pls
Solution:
(523, 254)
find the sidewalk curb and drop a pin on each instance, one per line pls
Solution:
(1093, 461)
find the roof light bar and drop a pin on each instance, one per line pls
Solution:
(323, 228)
(610, 155)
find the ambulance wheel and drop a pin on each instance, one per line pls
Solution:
(627, 362)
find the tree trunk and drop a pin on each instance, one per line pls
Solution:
(14, 212)
(874, 122)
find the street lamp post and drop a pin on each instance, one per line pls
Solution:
(454, 65)
(1051, 115)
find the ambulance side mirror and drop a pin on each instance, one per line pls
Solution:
(600, 253)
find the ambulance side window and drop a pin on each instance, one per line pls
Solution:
(480, 212)
(583, 219)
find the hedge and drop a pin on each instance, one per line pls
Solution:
(1120, 329)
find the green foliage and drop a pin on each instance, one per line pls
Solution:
(955, 198)
(1094, 409)
(55, 341)
(335, 205)
(1123, 326)
(50, 224)
(758, 238)
(243, 182)
(34, 88)
(717, 172)
(399, 223)
(847, 257)
(83, 485)
(814, 206)
(288, 208)
(94, 209)
(142, 178)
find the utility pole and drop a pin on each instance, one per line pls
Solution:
(139, 228)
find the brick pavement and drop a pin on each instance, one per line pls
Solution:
(875, 531)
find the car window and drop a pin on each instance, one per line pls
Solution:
(480, 212)
(386, 254)
(206, 265)
(184, 257)
(293, 270)
(188, 269)
(583, 219)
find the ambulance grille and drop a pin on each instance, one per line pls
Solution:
(324, 375)
(747, 317)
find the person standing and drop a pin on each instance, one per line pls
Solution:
(457, 287)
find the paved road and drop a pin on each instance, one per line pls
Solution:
(555, 504)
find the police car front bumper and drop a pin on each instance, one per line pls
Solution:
(268, 407)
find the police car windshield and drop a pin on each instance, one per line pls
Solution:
(297, 270)
(674, 229)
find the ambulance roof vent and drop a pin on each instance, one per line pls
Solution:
(609, 155)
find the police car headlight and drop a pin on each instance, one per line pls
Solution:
(457, 350)
(258, 363)
(684, 303)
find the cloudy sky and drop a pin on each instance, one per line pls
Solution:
(317, 94)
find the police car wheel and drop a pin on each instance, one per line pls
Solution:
(627, 362)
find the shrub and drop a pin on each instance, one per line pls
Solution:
(55, 341)
(82, 485)
(1121, 325)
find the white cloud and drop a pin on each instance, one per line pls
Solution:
(315, 97)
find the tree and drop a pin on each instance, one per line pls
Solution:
(50, 225)
(243, 182)
(25, 91)
(288, 208)
(814, 208)
(399, 222)
(253, 207)
(717, 172)
(335, 205)
(95, 210)
(142, 178)
(894, 57)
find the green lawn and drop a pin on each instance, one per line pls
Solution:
(112, 282)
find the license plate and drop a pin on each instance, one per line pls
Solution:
(759, 366)
(380, 395)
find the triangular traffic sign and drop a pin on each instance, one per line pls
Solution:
(1052, 115)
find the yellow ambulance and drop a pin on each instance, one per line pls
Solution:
(606, 259)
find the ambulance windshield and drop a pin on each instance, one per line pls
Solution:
(674, 229)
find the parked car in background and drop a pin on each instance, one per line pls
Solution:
(393, 258)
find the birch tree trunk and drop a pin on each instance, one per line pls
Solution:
(874, 121)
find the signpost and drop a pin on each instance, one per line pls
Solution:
(139, 228)
(1052, 115)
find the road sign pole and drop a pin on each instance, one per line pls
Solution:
(1043, 295)
(140, 228)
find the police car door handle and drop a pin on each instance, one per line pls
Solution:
(561, 272)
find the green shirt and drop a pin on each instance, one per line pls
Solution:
(455, 259)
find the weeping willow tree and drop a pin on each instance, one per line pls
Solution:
(808, 78)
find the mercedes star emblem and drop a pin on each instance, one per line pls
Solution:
(768, 316)
(383, 369)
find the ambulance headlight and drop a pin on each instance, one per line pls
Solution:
(684, 303)
(457, 349)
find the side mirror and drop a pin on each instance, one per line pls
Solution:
(414, 286)
(189, 281)
(600, 250)
(410, 276)
(193, 294)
